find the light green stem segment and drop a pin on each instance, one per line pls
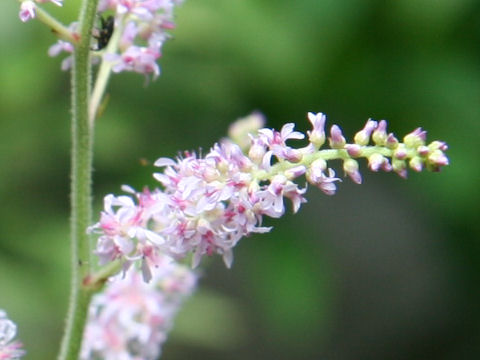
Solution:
(103, 74)
(326, 154)
(81, 174)
(58, 28)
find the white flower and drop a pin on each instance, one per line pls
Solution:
(9, 349)
(130, 319)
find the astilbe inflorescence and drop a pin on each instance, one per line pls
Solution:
(130, 319)
(140, 30)
(9, 348)
(207, 204)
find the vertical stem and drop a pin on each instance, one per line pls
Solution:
(81, 174)
(103, 74)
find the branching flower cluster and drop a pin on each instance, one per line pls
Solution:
(9, 348)
(207, 204)
(139, 32)
(204, 205)
(130, 319)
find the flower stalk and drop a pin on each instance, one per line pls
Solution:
(81, 179)
(57, 27)
(103, 76)
(205, 205)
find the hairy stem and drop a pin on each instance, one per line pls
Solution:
(80, 197)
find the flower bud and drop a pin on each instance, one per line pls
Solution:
(350, 167)
(363, 136)
(353, 150)
(416, 164)
(375, 161)
(256, 153)
(337, 141)
(379, 136)
(295, 172)
(317, 135)
(240, 129)
(416, 138)
(400, 167)
(438, 158)
(400, 152)
(423, 150)
(392, 141)
(440, 145)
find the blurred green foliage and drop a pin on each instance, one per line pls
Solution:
(386, 270)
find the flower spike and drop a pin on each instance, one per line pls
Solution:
(205, 205)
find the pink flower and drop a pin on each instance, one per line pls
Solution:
(206, 205)
(276, 142)
(130, 319)
(317, 134)
(27, 11)
(56, 2)
(9, 349)
(137, 59)
(141, 28)
(316, 176)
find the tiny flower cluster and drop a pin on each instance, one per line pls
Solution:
(130, 319)
(140, 30)
(207, 204)
(9, 349)
(27, 8)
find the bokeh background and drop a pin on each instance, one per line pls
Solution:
(386, 270)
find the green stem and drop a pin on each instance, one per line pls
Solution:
(95, 281)
(103, 75)
(81, 173)
(57, 27)
(326, 154)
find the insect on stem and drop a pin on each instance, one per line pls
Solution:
(105, 32)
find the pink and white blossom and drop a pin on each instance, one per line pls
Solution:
(27, 11)
(141, 28)
(206, 205)
(27, 8)
(131, 318)
(9, 348)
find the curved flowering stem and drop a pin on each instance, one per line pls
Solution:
(207, 204)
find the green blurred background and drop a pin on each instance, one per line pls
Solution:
(386, 270)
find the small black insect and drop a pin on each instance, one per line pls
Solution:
(105, 32)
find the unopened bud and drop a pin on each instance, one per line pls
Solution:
(317, 135)
(353, 150)
(416, 164)
(363, 136)
(423, 150)
(350, 167)
(379, 136)
(400, 167)
(375, 161)
(337, 141)
(415, 138)
(392, 141)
